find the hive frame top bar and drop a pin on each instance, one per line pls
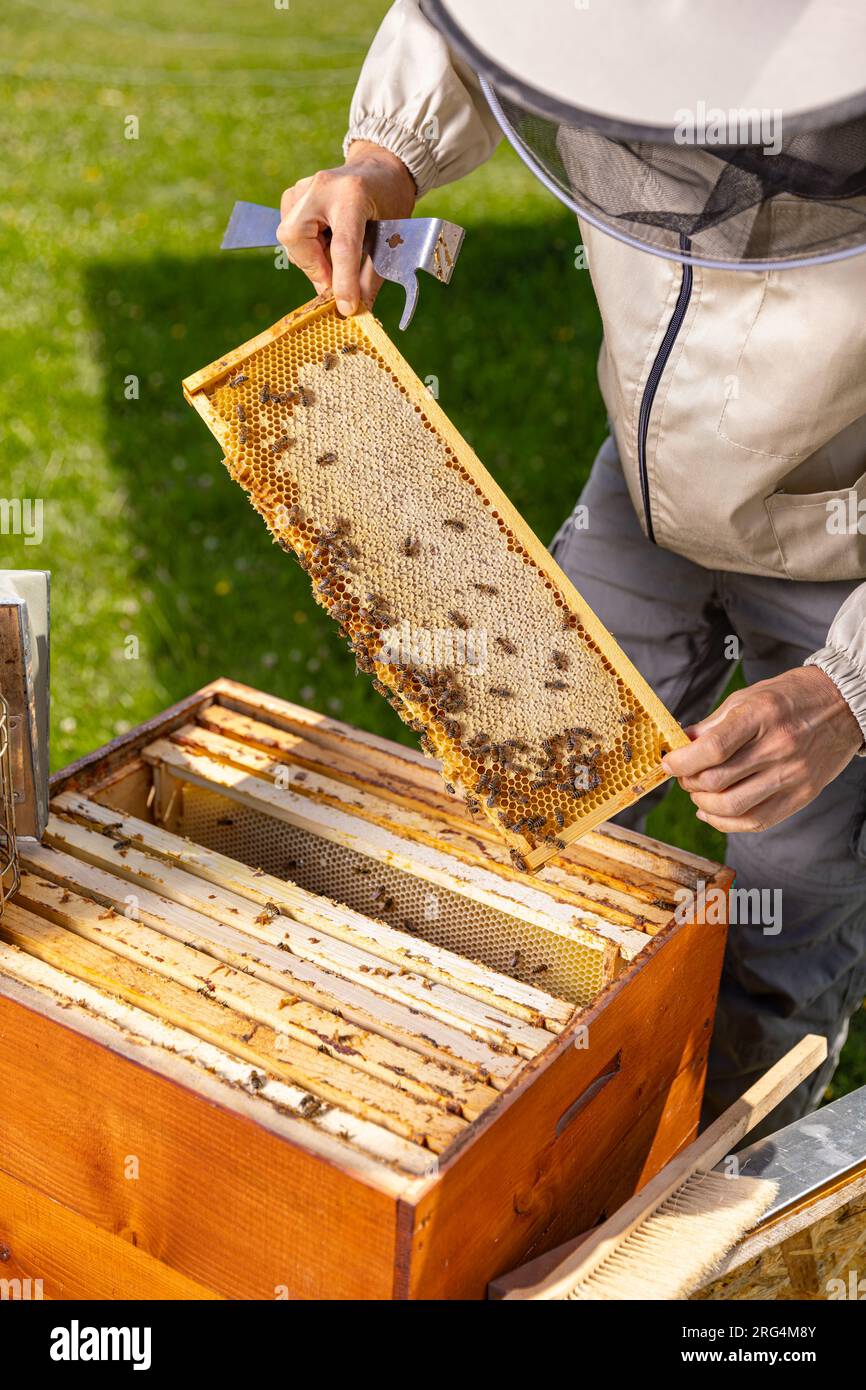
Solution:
(89, 773)
(197, 388)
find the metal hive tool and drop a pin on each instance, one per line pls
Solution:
(398, 248)
(448, 600)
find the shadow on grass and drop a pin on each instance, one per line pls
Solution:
(512, 342)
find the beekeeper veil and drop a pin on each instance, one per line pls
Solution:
(725, 133)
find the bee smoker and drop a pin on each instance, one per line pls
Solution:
(24, 716)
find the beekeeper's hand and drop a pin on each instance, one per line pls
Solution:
(372, 184)
(767, 751)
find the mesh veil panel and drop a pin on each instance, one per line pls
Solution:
(734, 205)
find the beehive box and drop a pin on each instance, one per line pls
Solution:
(463, 618)
(278, 1019)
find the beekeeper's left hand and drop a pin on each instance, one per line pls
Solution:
(767, 751)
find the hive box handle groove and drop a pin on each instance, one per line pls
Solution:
(598, 1084)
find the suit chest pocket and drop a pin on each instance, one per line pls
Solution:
(800, 376)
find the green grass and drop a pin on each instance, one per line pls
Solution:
(109, 247)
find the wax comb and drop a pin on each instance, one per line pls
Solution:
(448, 600)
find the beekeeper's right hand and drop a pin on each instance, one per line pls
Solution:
(372, 184)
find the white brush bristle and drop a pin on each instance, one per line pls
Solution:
(682, 1242)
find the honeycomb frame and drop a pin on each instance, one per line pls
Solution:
(342, 380)
(572, 966)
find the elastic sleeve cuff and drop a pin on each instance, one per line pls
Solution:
(848, 679)
(405, 144)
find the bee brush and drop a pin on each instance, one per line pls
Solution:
(667, 1238)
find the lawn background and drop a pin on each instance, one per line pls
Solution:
(111, 271)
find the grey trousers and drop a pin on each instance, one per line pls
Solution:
(675, 620)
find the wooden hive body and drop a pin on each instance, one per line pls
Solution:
(217, 1082)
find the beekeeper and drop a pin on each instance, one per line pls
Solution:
(716, 158)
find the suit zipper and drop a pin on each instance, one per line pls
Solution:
(652, 382)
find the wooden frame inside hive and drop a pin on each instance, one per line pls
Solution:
(465, 621)
(320, 1097)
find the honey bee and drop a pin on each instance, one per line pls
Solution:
(330, 360)
(486, 588)
(627, 752)
(280, 445)
(265, 394)
(507, 645)
(520, 863)
(240, 412)
(411, 547)
(324, 460)
(556, 685)
(501, 692)
(458, 619)
(305, 395)
(348, 348)
(455, 524)
(503, 754)
(238, 380)
(560, 660)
